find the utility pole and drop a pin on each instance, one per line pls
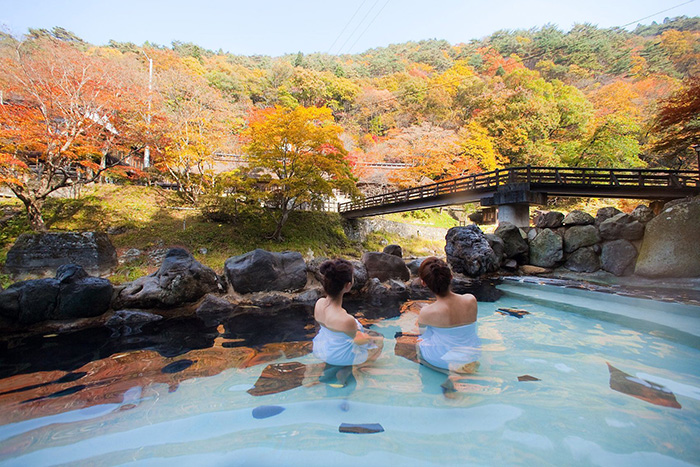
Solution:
(147, 149)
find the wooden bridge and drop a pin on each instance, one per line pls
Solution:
(518, 187)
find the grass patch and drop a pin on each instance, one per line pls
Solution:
(149, 219)
(437, 217)
(411, 246)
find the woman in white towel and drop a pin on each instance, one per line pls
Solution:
(341, 339)
(449, 339)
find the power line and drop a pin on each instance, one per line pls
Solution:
(346, 25)
(657, 13)
(370, 24)
(358, 25)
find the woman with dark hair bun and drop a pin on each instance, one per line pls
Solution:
(341, 339)
(449, 339)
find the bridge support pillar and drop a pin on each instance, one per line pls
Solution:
(516, 214)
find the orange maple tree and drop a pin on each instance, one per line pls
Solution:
(64, 111)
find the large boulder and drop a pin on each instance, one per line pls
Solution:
(264, 271)
(605, 213)
(618, 257)
(72, 294)
(549, 219)
(514, 244)
(578, 218)
(580, 236)
(546, 249)
(383, 266)
(497, 245)
(468, 251)
(42, 254)
(670, 246)
(181, 279)
(583, 260)
(621, 226)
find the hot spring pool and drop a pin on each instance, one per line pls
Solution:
(584, 379)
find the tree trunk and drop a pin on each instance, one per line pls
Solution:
(277, 234)
(34, 214)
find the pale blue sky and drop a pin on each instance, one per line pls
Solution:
(276, 27)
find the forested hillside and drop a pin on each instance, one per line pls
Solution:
(586, 97)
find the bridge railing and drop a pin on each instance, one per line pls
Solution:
(536, 176)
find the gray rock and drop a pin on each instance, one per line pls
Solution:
(43, 253)
(515, 245)
(546, 250)
(213, 304)
(310, 296)
(531, 234)
(261, 271)
(510, 264)
(549, 219)
(605, 213)
(359, 274)
(180, 279)
(414, 265)
(497, 245)
(130, 322)
(468, 251)
(621, 226)
(670, 245)
(583, 260)
(131, 255)
(393, 250)
(578, 218)
(73, 294)
(384, 266)
(642, 213)
(580, 236)
(80, 295)
(618, 257)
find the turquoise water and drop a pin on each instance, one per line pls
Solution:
(566, 413)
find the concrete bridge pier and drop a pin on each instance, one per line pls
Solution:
(516, 214)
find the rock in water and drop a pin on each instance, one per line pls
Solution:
(43, 253)
(641, 389)
(468, 251)
(362, 428)
(72, 294)
(384, 266)
(181, 279)
(670, 245)
(279, 377)
(263, 271)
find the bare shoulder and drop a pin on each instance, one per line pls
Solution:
(429, 315)
(347, 325)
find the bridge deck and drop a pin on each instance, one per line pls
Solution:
(490, 187)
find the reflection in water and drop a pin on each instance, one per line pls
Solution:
(39, 374)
